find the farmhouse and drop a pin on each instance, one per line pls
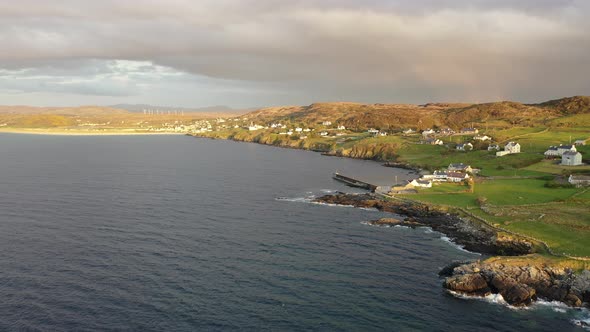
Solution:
(510, 148)
(409, 131)
(552, 152)
(566, 148)
(580, 142)
(571, 158)
(327, 123)
(579, 180)
(464, 147)
(460, 167)
(457, 176)
(341, 128)
(493, 147)
(373, 131)
(440, 176)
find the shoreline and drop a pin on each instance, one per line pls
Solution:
(82, 133)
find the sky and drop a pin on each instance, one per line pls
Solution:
(245, 53)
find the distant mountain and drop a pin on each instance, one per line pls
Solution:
(210, 109)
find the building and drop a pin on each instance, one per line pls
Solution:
(460, 168)
(558, 151)
(433, 141)
(464, 147)
(409, 131)
(382, 133)
(482, 138)
(510, 148)
(440, 176)
(469, 131)
(447, 132)
(421, 183)
(341, 128)
(493, 147)
(428, 132)
(571, 158)
(324, 133)
(579, 180)
(457, 176)
(298, 130)
(580, 142)
(373, 131)
(327, 123)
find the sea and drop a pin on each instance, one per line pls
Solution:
(176, 233)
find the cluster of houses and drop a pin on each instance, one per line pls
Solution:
(455, 173)
(568, 153)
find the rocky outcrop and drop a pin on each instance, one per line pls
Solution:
(472, 236)
(519, 285)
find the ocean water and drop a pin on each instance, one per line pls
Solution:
(173, 233)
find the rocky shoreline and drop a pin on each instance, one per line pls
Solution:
(471, 236)
(519, 283)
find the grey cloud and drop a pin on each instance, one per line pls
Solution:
(301, 51)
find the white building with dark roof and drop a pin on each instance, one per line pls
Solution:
(571, 158)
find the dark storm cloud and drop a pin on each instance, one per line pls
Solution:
(301, 51)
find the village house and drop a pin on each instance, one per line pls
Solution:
(298, 130)
(382, 133)
(464, 147)
(324, 133)
(428, 132)
(510, 148)
(579, 180)
(327, 123)
(571, 158)
(580, 142)
(440, 176)
(409, 131)
(421, 183)
(447, 132)
(457, 176)
(493, 147)
(373, 131)
(558, 151)
(482, 138)
(469, 131)
(433, 141)
(307, 130)
(341, 128)
(460, 168)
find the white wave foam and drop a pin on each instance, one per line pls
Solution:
(328, 191)
(296, 199)
(427, 230)
(583, 323)
(554, 305)
(491, 298)
(460, 247)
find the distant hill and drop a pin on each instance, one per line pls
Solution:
(220, 109)
(396, 116)
(78, 110)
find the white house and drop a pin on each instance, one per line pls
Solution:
(482, 138)
(298, 130)
(552, 152)
(409, 131)
(510, 148)
(457, 176)
(341, 128)
(327, 123)
(464, 147)
(433, 141)
(580, 142)
(571, 158)
(493, 147)
(440, 176)
(373, 131)
(566, 148)
(579, 180)
(460, 167)
(421, 183)
(447, 132)
(382, 133)
(428, 132)
(324, 133)
(307, 130)
(469, 131)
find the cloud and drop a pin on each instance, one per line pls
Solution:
(300, 51)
